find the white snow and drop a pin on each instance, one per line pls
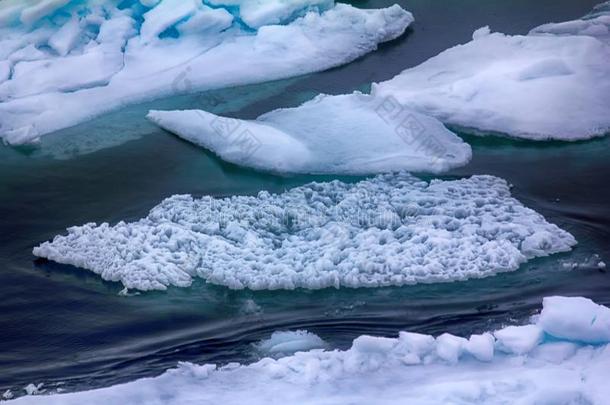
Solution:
(389, 230)
(283, 343)
(377, 370)
(352, 134)
(72, 61)
(551, 84)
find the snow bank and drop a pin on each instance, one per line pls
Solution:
(353, 134)
(411, 368)
(389, 230)
(65, 62)
(551, 84)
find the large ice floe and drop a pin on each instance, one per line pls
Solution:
(562, 357)
(351, 134)
(390, 230)
(553, 83)
(63, 62)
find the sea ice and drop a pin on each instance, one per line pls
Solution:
(596, 24)
(65, 62)
(578, 319)
(551, 84)
(286, 343)
(374, 371)
(352, 134)
(389, 230)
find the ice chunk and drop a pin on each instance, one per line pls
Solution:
(416, 347)
(372, 371)
(61, 75)
(66, 37)
(206, 20)
(551, 84)
(519, 339)
(349, 134)
(595, 24)
(578, 319)
(257, 13)
(34, 389)
(449, 347)
(389, 230)
(40, 9)
(164, 16)
(120, 53)
(481, 346)
(286, 343)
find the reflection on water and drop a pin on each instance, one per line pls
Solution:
(62, 324)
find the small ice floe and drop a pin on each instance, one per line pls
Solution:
(288, 343)
(34, 389)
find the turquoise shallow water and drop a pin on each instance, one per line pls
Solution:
(59, 324)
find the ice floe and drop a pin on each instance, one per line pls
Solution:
(551, 84)
(596, 24)
(411, 368)
(284, 343)
(389, 230)
(65, 62)
(351, 134)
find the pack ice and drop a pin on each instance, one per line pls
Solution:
(351, 134)
(63, 62)
(553, 83)
(390, 230)
(562, 357)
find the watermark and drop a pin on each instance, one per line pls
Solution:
(230, 129)
(408, 127)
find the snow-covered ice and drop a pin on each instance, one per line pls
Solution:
(411, 368)
(351, 134)
(65, 62)
(551, 84)
(392, 229)
(578, 319)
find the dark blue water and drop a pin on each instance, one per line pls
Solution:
(59, 324)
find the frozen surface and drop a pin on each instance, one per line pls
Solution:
(411, 368)
(551, 84)
(389, 230)
(351, 134)
(65, 62)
